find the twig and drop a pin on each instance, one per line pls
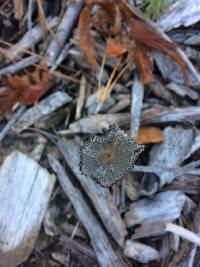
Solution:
(13, 68)
(11, 122)
(29, 20)
(26, 41)
(182, 232)
(64, 30)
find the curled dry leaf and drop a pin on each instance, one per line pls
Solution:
(144, 64)
(124, 30)
(26, 89)
(114, 48)
(149, 134)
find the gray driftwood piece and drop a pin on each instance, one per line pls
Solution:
(35, 35)
(170, 70)
(162, 207)
(64, 30)
(140, 252)
(25, 190)
(182, 13)
(42, 109)
(171, 152)
(96, 123)
(160, 114)
(107, 254)
(100, 197)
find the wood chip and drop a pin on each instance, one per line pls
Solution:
(96, 123)
(181, 13)
(162, 207)
(24, 193)
(140, 252)
(42, 109)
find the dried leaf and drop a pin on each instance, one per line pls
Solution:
(149, 134)
(145, 35)
(26, 90)
(86, 39)
(144, 64)
(114, 48)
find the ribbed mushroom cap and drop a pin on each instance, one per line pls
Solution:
(108, 158)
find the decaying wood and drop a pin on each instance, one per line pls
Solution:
(100, 197)
(64, 30)
(140, 252)
(181, 13)
(106, 255)
(42, 109)
(170, 153)
(136, 106)
(24, 194)
(162, 207)
(26, 42)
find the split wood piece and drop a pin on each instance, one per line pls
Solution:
(26, 42)
(195, 145)
(64, 30)
(162, 207)
(182, 91)
(75, 245)
(42, 109)
(107, 255)
(161, 114)
(170, 153)
(25, 190)
(96, 123)
(122, 104)
(100, 197)
(158, 114)
(176, 171)
(136, 106)
(149, 230)
(181, 13)
(140, 252)
(170, 70)
(81, 98)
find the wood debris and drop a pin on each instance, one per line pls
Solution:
(69, 71)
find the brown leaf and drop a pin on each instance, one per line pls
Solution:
(26, 90)
(149, 134)
(115, 48)
(144, 34)
(86, 39)
(143, 64)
